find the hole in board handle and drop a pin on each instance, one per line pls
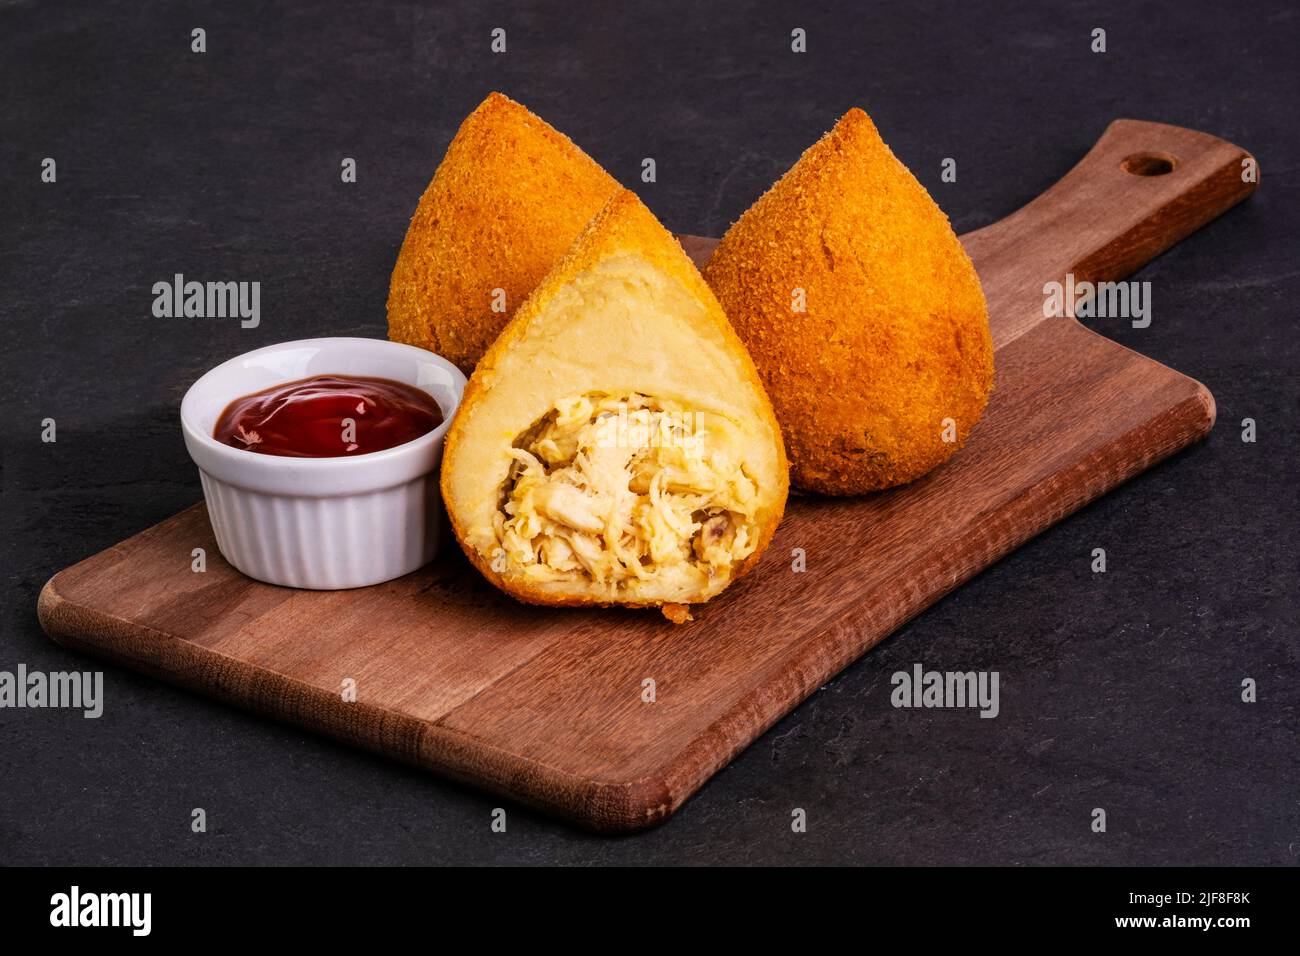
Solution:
(1149, 164)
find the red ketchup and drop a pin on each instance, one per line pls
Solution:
(328, 416)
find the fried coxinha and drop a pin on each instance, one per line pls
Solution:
(615, 444)
(505, 204)
(862, 312)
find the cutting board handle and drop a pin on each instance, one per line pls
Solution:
(1140, 189)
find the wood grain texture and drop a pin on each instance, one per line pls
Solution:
(544, 705)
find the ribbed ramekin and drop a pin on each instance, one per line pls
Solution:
(322, 523)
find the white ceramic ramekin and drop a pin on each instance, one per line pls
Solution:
(322, 523)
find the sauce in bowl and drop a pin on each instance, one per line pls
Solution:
(328, 416)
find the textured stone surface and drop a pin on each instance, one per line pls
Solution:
(1119, 690)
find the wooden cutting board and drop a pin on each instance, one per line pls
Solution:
(546, 706)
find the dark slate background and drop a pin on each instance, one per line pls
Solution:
(1119, 690)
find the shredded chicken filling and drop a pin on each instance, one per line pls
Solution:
(618, 489)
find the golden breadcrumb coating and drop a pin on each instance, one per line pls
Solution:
(892, 354)
(624, 313)
(505, 204)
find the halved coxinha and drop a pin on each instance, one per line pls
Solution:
(615, 444)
